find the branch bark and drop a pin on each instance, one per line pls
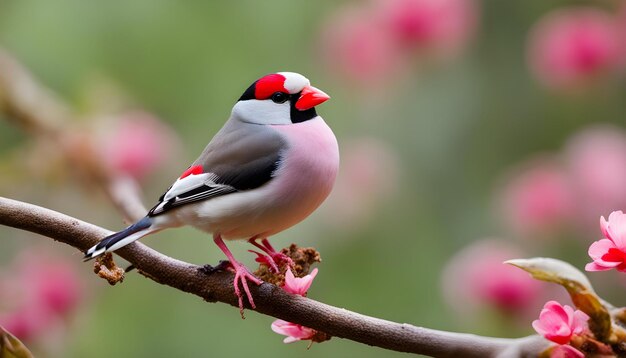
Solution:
(270, 300)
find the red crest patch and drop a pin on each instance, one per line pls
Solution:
(268, 85)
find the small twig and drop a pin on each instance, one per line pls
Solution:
(36, 110)
(124, 194)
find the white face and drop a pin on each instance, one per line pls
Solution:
(262, 112)
(268, 111)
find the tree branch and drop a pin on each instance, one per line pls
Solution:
(270, 300)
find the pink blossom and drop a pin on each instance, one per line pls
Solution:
(138, 144)
(596, 162)
(298, 285)
(476, 276)
(294, 332)
(27, 323)
(356, 46)
(559, 323)
(570, 47)
(565, 351)
(55, 283)
(373, 43)
(442, 25)
(38, 291)
(621, 30)
(537, 198)
(610, 252)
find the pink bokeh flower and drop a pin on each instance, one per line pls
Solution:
(476, 277)
(559, 323)
(138, 144)
(596, 164)
(298, 285)
(565, 351)
(610, 252)
(37, 291)
(27, 323)
(355, 46)
(444, 26)
(621, 30)
(570, 47)
(374, 42)
(294, 332)
(537, 198)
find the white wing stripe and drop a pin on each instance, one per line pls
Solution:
(188, 183)
(189, 189)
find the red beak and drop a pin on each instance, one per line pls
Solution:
(310, 97)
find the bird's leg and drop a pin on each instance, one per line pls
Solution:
(241, 274)
(273, 258)
(277, 256)
(261, 258)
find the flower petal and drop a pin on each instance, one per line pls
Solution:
(579, 323)
(290, 339)
(539, 328)
(599, 248)
(298, 285)
(605, 254)
(556, 308)
(604, 227)
(566, 351)
(617, 229)
(552, 326)
(593, 267)
(293, 331)
(559, 322)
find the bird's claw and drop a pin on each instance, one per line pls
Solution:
(272, 258)
(210, 269)
(243, 275)
(279, 257)
(266, 260)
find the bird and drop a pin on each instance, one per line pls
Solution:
(269, 167)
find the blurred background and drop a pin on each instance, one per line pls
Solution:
(471, 132)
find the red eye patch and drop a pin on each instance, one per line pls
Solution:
(268, 85)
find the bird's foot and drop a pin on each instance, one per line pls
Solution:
(242, 274)
(265, 260)
(278, 258)
(272, 258)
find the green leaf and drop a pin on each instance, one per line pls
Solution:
(11, 347)
(577, 285)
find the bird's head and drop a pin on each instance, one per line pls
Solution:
(279, 98)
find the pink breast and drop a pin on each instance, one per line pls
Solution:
(309, 168)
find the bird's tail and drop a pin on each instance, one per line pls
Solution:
(120, 239)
